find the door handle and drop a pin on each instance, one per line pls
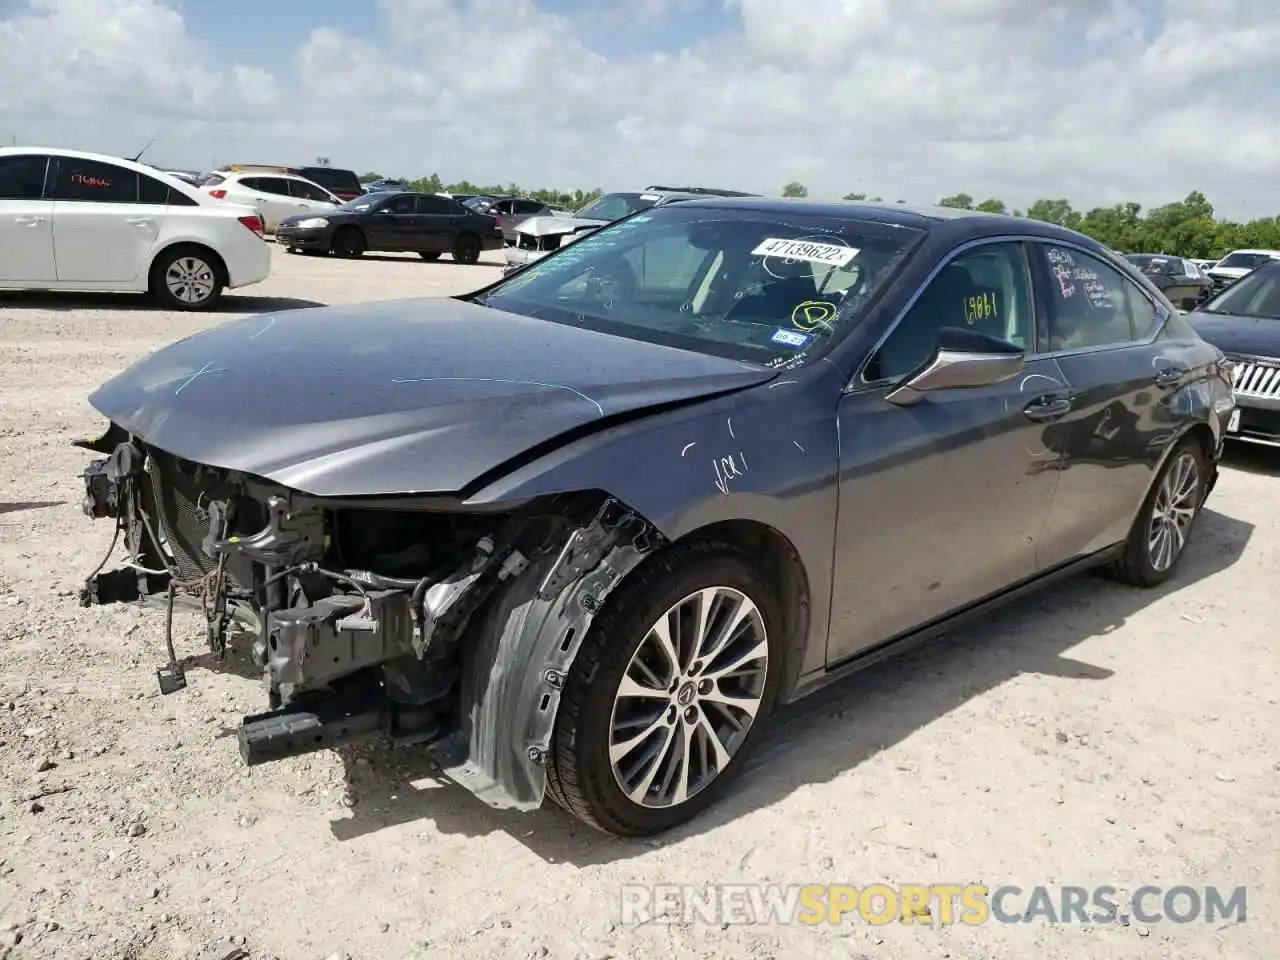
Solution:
(1047, 407)
(140, 221)
(28, 221)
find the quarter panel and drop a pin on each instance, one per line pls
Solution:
(767, 454)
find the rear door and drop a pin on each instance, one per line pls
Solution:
(1104, 331)
(440, 221)
(26, 221)
(101, 232)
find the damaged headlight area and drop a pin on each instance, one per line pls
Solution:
(418, 619)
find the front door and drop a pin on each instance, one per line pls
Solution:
(26, 221)
(101, 233)
(942, 503)
(440, 220)
(394, 225)
(1102, 329)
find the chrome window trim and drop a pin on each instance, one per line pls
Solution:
(859, 383)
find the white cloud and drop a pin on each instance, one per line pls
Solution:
(1095, 100)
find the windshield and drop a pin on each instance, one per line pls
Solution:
(1247, 260)
(362, 204)
(615, 206)
(743, 284)
(1254, 295)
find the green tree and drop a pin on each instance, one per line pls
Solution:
(370, 177)
(961, 201)
(855, 197)
(992, 206)
(794, 189)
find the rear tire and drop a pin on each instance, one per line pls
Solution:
(1164, 525)
(429, 257)
(349, 242)
(599, 769)
(187, 277)
(466, 249)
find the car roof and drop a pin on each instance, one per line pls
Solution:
(900, 214)
(1270, 253)
(164, 177)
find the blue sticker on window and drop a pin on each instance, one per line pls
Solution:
(790, 338)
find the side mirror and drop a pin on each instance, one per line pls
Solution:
(962, 359)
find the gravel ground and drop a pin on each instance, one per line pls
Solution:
(1093, 735)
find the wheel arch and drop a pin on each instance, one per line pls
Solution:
(780, 564)
(219, 265)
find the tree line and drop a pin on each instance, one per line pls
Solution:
(1187, 228)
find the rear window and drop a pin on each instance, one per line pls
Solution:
(332, 179)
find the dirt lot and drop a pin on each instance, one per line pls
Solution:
(1095, 735)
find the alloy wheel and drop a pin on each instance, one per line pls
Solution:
(1177, 500)
(190, 280)
(688, 697)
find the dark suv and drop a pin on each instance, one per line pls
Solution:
(343, 183)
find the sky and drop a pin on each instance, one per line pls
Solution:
(1095, 101)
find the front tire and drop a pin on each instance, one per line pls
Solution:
(349, 242)
(187, 278)
(667, 692)
(1163, 526)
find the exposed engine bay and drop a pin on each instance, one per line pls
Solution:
(413, 618)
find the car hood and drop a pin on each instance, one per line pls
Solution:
(544, 226)
(407, 396)
(1233, 272)
(1255, 336)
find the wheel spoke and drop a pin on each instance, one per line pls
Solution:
(688, 697)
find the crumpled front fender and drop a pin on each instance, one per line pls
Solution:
(515, 664)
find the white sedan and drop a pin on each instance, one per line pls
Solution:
(274, 195)
(85, 222)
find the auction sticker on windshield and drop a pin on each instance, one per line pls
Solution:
(828, 253)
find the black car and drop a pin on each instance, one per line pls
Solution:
(420, 223)
(579, 532)
(1244, 322)
(1181, 280)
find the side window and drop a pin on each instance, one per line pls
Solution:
(401, 205)
(94, 182)
(306, 191)
(178, 199)
(278, 186)
(1092, 304)
(503, 207)
(251, 183)
(22, 178)
(528, 206)
(986, 289)
(440, 206)
(151, 190)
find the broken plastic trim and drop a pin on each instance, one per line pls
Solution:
(522, 654)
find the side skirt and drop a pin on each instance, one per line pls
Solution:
(933, 631)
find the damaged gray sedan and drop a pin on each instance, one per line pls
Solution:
(578, 533)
